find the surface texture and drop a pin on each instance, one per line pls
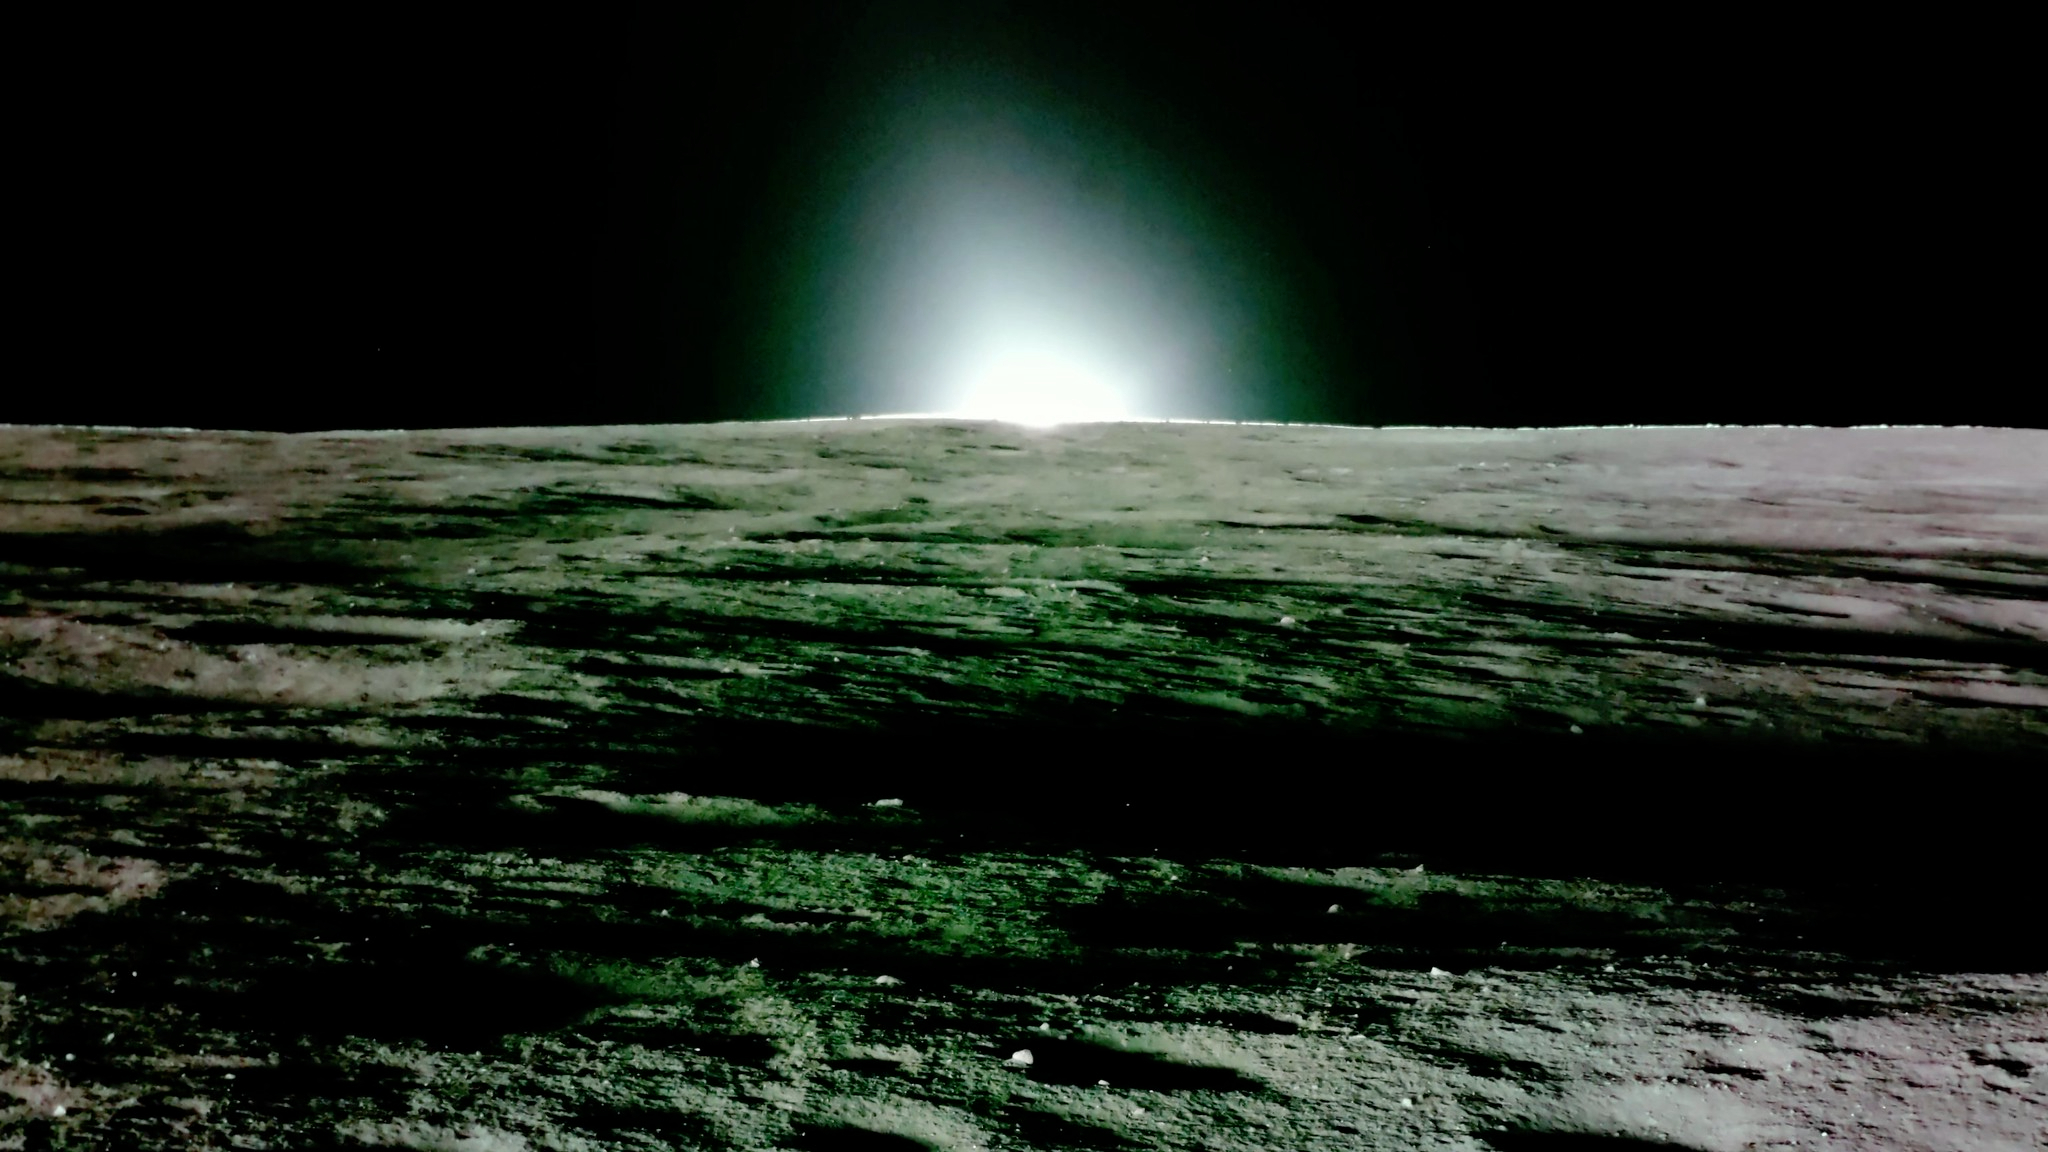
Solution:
(771, 785)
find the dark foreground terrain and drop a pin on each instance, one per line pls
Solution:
(903, 784)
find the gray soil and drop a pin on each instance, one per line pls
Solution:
(934, 785)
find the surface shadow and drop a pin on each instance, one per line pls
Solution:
(257, 958)
(848, 1138)
(1540, 1140)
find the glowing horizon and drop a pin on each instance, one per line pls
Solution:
(996, 251)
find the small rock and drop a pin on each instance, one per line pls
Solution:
(1102, 1083)
(1435, 971)
(887, 980)
(1287, 621)
(1021, 1057)
(57, 1110)
(754, 963)
(1336, 908)
(890, 803)
(1578, 731)
(1137, 1111)
(1699, 701)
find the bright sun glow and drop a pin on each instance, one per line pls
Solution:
(1011, 262)
(1041, 389)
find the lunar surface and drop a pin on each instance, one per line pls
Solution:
(927, 784)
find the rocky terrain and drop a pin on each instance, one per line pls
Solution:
(910, 784)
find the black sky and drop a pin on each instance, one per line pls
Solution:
(372, 217)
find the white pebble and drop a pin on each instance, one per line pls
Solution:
(1699, 701)
(1578, 731)
(892, 803)
(1435, 971)
(1021, 1056)
(1407, 1102)
(887, 980)
(1336, 908)
(57, 1110)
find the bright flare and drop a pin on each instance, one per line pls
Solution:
(1041, 389)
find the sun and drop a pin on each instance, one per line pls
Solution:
(1041, 388)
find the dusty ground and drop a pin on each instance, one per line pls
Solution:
(905, 785)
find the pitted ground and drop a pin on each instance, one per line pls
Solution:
(1271, 787)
